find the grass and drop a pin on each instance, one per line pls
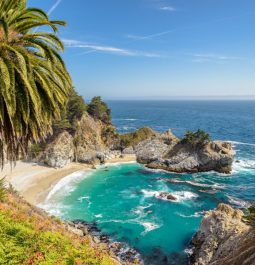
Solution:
(29, 236)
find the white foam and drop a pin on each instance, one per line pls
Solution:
(238, 202)
(98, 215)
(67, 184)
(150, 193)
(149, 226)
(184, 195)
(195, 215)
(82, 198)
(179, 195)
(250, 164)
(240, 143)
(189, 251)
(139, 210)
(126, 119)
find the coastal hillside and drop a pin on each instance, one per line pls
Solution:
(29, 236)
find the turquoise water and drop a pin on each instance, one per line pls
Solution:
(122, 199)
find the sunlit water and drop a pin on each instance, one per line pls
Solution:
(122, 198)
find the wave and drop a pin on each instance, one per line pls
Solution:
(179, 195)
(150, 193)
(194, 184)
(238, 202)
(149, 226)
(195, 215)
(246, 163)
(140, 211)
(67, 184)
(240, 143)
(126, 119)
(241, 165)
(98, 215)
(184, 195)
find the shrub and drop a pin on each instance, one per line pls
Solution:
(250, 215)
(199, 137)
(132, 139)
(28, 236)
(70, 113)
(76, 107)
(99, 110)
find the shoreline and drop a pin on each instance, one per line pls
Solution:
(34, 181)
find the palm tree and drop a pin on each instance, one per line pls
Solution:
(34, 82)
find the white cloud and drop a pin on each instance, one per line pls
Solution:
(106, 49)
(168, 8)
(54, 6)
(151, 36)
(212, 57)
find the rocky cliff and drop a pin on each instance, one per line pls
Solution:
(224, 239)
(167, 152)
(93, 142)
(88, 143)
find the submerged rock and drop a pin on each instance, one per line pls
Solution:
(223, 239)
(166, 196)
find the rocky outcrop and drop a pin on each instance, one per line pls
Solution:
(120, 251)
(166, 196)
(93, 142)
(224, 239)
(88, 140)
(168, 153)
(85, 145)
(155, 148)
(60, 151)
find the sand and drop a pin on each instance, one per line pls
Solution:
(34, 181)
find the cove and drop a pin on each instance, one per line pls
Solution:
(121, 199)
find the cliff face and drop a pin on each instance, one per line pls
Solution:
(88, 144)
(169, 153)
(93, 142)
(224, 239)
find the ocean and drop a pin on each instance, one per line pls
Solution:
(121, 198)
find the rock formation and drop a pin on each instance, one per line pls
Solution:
(93, 142)
(166, 196)
(60, 151)
(169, 153)
(86, 144)
(224, 239)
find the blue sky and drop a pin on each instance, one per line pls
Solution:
(158, 48)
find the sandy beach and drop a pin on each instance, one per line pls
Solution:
(34, 181)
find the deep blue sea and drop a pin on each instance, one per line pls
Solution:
(121, 198)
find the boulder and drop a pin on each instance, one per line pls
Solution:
(60, 151)
(128, 151)
(223, 239)
(166, 196)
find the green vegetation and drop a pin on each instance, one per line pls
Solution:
(99, 110)
(28, 236)
(250, 215)
(199, 137)
(132, 139)
(70, 113)
(33, 77)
